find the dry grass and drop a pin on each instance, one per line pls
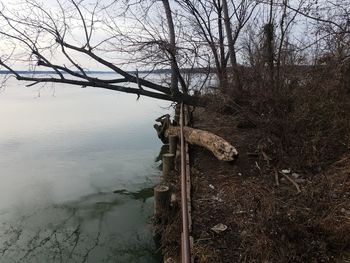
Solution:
(267, 223)
(204, 253)
(306, 117)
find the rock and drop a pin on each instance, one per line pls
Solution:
(343, 210)
(295, 175)
(219, 228)
(300, 181)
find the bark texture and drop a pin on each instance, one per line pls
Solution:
(222, 150)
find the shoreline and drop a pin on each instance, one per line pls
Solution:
(264, 220)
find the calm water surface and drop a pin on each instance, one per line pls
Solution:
(77, 169)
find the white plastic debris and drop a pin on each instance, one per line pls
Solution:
(286, 171)
(211, 186)
(219, 228)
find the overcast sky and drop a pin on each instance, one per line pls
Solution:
(77, 36)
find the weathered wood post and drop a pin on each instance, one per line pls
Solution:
(177, 114)
(168, 163)
(161, 200)
(172, 144)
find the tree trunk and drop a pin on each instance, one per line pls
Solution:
(222, 150)
(172, 42)
(222, 72)
(231, 46)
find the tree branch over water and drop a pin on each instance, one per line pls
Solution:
(44, 38)
(72, 37)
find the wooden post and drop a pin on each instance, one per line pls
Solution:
(161, 200)
(168, 163)
(164, 149)
(177, 114)
(172, 144)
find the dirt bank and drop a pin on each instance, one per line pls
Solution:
(300, 217)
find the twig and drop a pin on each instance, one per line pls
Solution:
(257, 166)
(32, 84)
(293, 182)
(276, 178)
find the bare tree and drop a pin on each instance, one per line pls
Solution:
(218, 25)
(127, 37)
(42, 35)
(231, 44)
(206, 21)
(172, 46)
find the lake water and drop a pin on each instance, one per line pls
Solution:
(77, 170)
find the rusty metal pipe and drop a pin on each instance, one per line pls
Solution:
(185, 240)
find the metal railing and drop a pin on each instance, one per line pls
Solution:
(185, 239)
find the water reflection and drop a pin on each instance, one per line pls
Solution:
(143, 194)
(101, 227)
(77, 171)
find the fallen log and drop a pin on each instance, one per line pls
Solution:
(222, 150)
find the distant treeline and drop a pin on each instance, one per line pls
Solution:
(156, 71)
